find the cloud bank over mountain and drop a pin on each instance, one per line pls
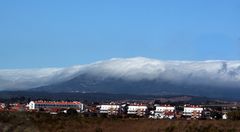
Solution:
(20, 79)
(217, 73)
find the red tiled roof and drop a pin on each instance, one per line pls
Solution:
(193, 106)
(58, 102)
(165, 106)
(137, 105)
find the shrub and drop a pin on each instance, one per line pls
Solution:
(72, 112)
(234, 115)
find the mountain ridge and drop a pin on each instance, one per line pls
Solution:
(138, 75)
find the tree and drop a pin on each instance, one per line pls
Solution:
(216, 115)
(234, 115)
(72, 111)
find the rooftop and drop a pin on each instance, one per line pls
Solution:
(57, 102)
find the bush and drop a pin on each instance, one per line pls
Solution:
(72, 112)
(234, 115)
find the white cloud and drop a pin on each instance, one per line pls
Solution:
(29, 78)
(217, 72)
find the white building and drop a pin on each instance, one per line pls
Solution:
(139, 110)
(111, 109)
(36, 105)
(193, 111)
(165, 111)
(2, 105)
(224, 116)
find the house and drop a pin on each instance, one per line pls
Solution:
(110, 109)
(137, 109)
(14, 107)
(55, 105)
(192, 111)
(164, 112)
(2, 106)
(224, 116)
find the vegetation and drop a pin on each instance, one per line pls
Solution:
(234, 115)
(42, 122)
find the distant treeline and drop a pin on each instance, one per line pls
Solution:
(93, 97)
(21, 100)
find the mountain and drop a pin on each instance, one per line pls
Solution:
(92, 84)
(214, 78)
(147, 76)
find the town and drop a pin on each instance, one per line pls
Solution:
(127, 109)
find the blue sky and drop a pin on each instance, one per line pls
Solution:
(59, 33)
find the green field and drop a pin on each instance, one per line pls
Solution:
(40, 122)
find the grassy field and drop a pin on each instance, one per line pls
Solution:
(39, 122)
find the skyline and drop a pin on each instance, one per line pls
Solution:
(36, 34)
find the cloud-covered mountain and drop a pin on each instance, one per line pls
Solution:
(20, 79)
(125, 75)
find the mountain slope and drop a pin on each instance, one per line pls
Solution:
(92, 84)
(133, 75)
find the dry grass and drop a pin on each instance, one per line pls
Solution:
(20, 122)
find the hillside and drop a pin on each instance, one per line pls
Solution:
(143, 76)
